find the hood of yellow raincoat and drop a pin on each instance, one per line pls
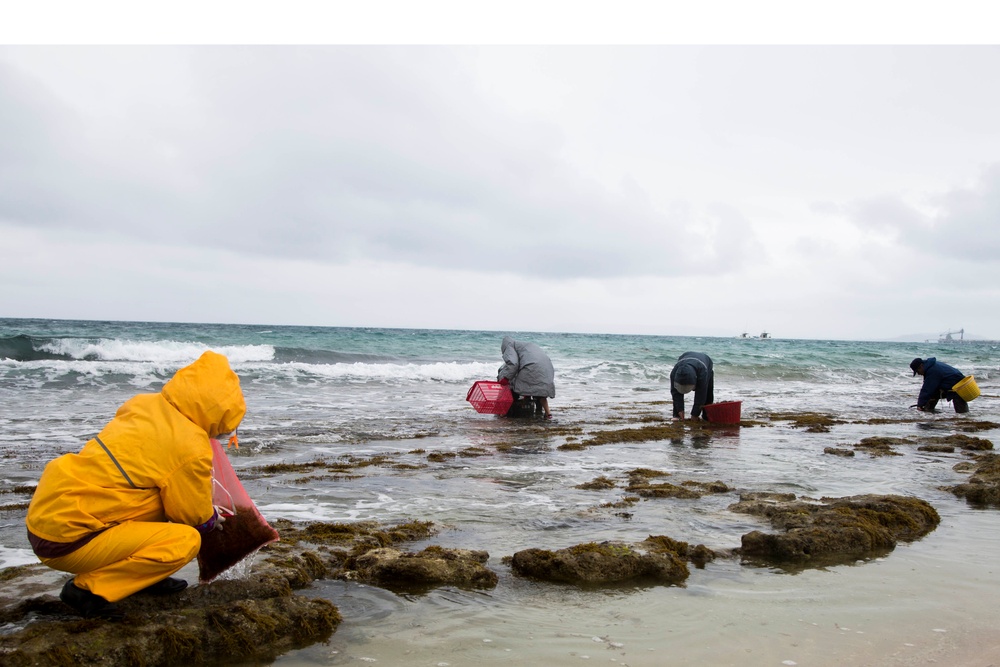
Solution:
(208, 393)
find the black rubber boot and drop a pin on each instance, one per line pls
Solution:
(168, 586)
(88, 604)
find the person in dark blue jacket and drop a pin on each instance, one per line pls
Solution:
(939, 378)
(692, 372)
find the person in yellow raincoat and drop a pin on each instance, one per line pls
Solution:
(129, 510)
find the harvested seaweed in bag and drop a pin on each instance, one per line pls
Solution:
(242, 534)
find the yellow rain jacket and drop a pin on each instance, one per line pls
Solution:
(152, 462)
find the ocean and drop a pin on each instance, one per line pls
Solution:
(318, 392)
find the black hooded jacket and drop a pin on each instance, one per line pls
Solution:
(693, 368)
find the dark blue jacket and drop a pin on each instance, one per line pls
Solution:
(704, 384)
(938, 376)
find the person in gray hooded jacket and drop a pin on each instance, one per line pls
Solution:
(529, 372)
(692, 372)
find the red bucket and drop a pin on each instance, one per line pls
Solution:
(490, 398)
(723, 413)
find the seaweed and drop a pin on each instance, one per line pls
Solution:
(241, 535)
(473, 452)
(20, 488)
(698, 555)
(836, 451)
(881, 446)
(416, 572)
(962, 441)
(642, 434)
(812, 421)
(597, 484)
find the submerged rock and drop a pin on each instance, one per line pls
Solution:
(638, 482)
(811, 421)
(937, 449)
(881, 446)
(834, 530)
(662, 490)
(604, 563)
(837, 451)
(962, 441)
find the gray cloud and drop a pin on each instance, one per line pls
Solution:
(961, 223)
(334, 154)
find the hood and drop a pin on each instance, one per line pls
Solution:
(685, 375)
(506, 342)
(208, 393)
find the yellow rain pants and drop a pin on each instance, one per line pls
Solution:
(126, 558)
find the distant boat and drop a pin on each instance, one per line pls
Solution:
(946, 336)
(747, 336)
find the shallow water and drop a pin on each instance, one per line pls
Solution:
(921, 599)
(378, 392)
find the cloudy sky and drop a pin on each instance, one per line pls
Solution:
(810, 191)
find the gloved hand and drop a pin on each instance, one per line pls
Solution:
(504, 381)
(221, 514)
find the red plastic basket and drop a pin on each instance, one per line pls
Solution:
(723, 413)
(490, 398)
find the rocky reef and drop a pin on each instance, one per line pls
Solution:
(250, 619)
(832, 531)
(254, 619)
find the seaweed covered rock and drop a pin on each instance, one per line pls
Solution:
(250, 620)
(838, 451)
(698, 555)
(960, 440)
(339, 542)
(662, 490)
(640, 484)
(597, 484)
(604, 563)
(253, 620)
(434, 566)
(834, 530)
(983, 487)
(881, 446)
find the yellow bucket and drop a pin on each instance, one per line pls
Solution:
(967, 389)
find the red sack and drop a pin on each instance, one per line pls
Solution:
(242, 534)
